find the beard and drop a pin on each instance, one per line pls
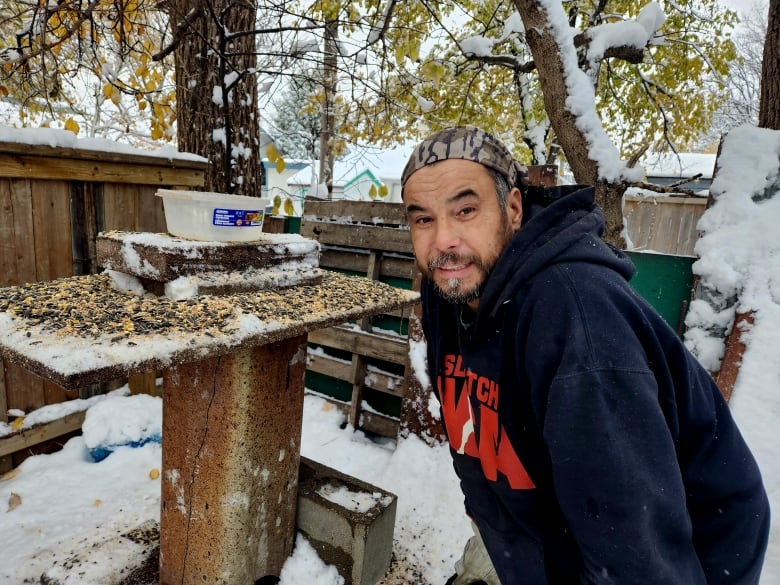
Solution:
(453, 289)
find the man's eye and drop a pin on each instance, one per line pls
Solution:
(467, 211)
(422, 221)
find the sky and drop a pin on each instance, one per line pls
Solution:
(54, 505)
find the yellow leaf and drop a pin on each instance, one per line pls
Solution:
(97, 503)
(72, 126)
(17, 424)
(154, 473)
(372, 192)
(288, 207)
(142, 104)
(108, 90)
(383, 191)
(280, 164)
(3, 91)
(272, 153)
(414, 51)
(399, 55)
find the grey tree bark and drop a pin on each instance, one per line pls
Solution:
(216, 90)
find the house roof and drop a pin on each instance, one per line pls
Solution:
(383, 165)
(679, 165)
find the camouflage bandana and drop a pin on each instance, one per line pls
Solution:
(467, 143)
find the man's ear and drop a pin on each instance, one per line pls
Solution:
(514, 208)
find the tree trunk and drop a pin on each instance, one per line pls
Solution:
(769, 106)
(328, 120)
(216, 91)
(609, 196)
(547, 57)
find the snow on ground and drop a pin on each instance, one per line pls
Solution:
(58, 504)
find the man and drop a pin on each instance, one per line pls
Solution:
(590, 445)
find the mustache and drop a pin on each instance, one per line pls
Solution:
(446, 258)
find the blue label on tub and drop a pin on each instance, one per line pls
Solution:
(237, 217)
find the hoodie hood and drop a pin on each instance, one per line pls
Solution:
(560, 224)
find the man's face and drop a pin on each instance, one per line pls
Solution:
(458, 229)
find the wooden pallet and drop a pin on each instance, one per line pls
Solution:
(371, 239)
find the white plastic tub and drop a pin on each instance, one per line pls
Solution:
(221, 217)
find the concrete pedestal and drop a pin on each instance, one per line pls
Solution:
(232, 428)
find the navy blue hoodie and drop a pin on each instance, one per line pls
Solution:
(590, 445)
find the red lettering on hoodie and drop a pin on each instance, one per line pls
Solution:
(497, 454)
(457, 417)
(494, 450)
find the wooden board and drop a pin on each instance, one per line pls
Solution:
(664, 224)
(17, 233)
(53, 249)
(357, 260)
(389, 349)
(25, 166)
(384, 382)
(358, 236)
(143, 208)
(41, 433)
(175, 161)
(17, 266)
(52, 229)
(373, 422)
(378, 213)
(164, 257)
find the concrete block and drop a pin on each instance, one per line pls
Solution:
(349, 522)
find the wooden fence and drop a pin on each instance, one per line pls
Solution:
(664, 224)
(53, 202)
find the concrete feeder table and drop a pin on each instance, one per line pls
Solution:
(233, 367)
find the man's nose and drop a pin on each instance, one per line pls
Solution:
(447, 236)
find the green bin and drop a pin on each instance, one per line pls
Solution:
(292, 225)
(665, 281)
